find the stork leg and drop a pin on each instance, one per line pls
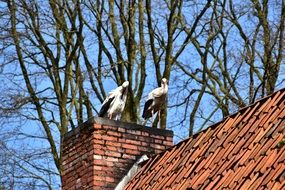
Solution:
(152, 120)
(144, 123)
(118, 116)
(158, 123)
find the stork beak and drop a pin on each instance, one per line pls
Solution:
(125, 84)
(164, 81)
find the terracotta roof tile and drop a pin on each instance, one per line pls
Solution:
(239, 152)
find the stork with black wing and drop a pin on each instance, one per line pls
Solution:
(114, 104)
(156, 99)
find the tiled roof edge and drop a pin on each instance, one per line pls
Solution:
(231, 115)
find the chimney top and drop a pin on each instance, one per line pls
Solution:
(107, 122)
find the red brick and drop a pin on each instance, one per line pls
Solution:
(110, 127)
(132, 157)
(112, 148)
(111, 159)
(145, 134)
(158, 141)
(133, 152)
(167, 143)
(100, 168)
(97, 167)
(98, 157)
(170, 139)
(99, 132)
(116, 144)
(130, 136)
(113, 154)
(99, 162)
(157, 146)
(97, 126)
(98, 183)
(134, 132)
(100, 173)
(143, 149)
(144, 144)
(99, 151)
(123, 164)
(110, 164)
(157, 137)
(110, 138)
(114, 133)
(146, 139)
(121, 130)
(110, 179)
(122, 140)
(129, 146)
(107, 138)
(133, 142)
(98, 142)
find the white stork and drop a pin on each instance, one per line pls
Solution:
(156, 99)
(114, 104)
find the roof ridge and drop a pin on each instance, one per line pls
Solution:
(244, 108)
(230, 116)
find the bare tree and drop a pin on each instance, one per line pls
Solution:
(244, 45)
(59, 59)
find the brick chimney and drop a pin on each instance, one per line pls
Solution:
(100, 152)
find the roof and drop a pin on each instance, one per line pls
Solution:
(240, 152)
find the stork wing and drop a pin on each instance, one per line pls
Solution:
(105, 106)
(146, 112)
(107, 102)
(155, 93)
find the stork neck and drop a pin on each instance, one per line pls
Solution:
(124, 93)
(164, 87)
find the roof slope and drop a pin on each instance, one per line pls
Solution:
(239, 152)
